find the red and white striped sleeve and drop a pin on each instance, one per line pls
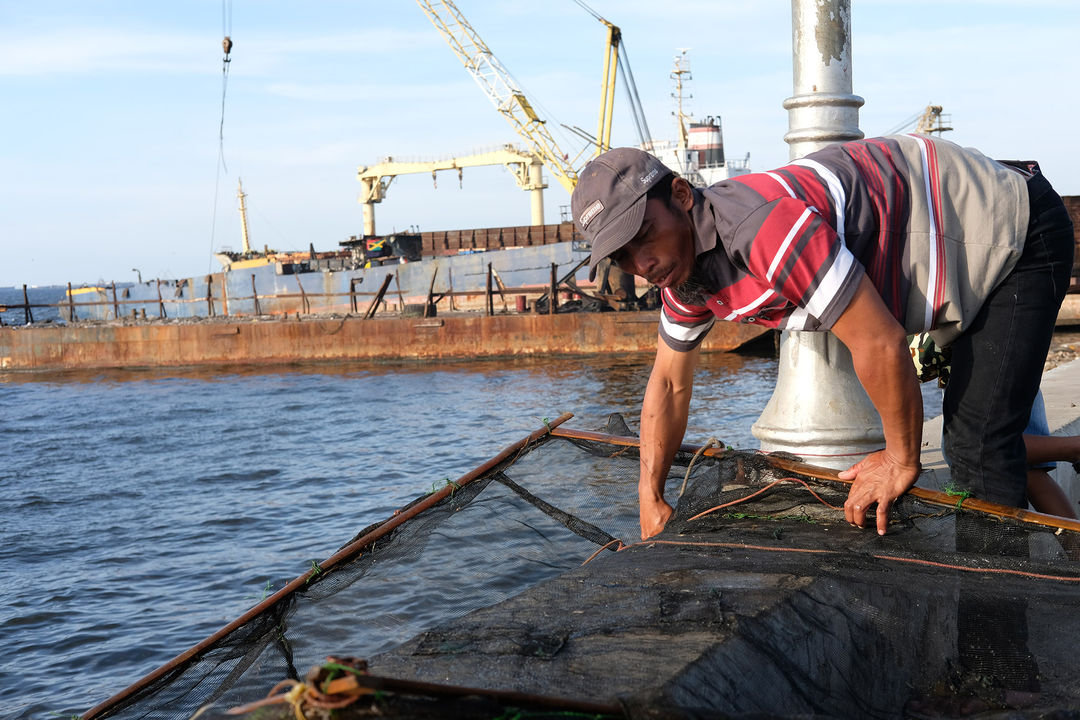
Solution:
(683, 326)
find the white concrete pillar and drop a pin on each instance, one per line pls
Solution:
(368, 198)
(818, 409)
(536, 192)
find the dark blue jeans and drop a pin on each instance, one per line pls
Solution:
(997, 363)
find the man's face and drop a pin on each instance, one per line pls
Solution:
(662, 252)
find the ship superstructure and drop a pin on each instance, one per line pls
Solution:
(697, 153)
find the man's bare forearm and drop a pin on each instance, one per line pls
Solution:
(887, 375)
(878, 346)
(664, 412)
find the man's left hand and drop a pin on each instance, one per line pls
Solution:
(879, 478)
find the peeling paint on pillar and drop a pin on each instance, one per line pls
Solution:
(831, 32)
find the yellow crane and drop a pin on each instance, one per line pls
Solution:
(500, 87)
(510, 100)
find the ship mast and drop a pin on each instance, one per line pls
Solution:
(682, 67)
(246, 246)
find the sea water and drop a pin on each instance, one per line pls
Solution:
(140, 511)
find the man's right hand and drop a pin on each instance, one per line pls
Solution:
(654, 515)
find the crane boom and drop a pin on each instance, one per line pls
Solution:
(525, 166)
(499, 86)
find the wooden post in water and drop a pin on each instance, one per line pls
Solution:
(501, 287)
(430, 291)
(400, 297)
(71, 305)
(26, 306)
(489, 303)
(303, 296)
(255, 295)
(352, 292)
(553, 298)
(160, 302)
(379, 297)
(209, 296)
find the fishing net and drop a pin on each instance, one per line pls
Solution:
(521, 590)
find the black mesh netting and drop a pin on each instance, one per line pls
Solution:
(768, 604)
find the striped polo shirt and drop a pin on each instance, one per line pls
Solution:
(934, 226)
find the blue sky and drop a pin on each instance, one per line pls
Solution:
(109, 133)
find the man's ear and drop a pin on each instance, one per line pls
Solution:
(682, 194)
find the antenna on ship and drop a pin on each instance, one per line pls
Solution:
(246, 246)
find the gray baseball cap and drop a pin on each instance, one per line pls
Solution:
(608, 203)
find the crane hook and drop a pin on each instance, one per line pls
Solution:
(226, 45)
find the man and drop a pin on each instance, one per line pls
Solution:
(872, 240)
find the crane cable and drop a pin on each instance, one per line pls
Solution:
(226, 45)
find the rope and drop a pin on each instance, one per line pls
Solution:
(294, 696)
(605, 547)
(708, 444)
(755, 494)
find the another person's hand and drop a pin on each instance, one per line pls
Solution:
(879, 478)
(654, 515)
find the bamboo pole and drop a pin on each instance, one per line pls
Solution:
(508, 697)
(822, 473)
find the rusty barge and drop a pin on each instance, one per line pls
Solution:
(496, 292)
(347, 338)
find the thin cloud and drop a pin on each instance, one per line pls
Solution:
(87, 50)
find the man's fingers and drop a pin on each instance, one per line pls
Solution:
(882, 516)
(855, 511)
